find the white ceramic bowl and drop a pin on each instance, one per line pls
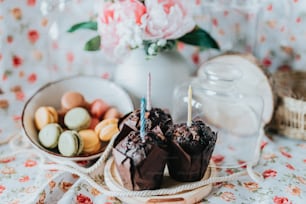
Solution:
(49, 95)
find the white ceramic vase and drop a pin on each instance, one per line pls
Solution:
(168, 69)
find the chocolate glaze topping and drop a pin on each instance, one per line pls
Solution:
(156, 117)
(192, 139)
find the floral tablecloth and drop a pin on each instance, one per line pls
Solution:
(34, 50)
(282, 165)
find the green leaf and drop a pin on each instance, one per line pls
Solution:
(91, 25)
(201, 38)
(93, 44)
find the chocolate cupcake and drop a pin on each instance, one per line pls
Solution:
(140, 163)
(156, 120)
(190, 150)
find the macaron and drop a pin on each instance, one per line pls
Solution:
(107, 128)
(98, 107)
(93, 123)
(91, 141)
(72, 99)
(48, 136)
(70, 143)
(45, 115)
(77, 119)
(112, 113)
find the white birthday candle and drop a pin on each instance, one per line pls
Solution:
(149, 92)
(189, 106)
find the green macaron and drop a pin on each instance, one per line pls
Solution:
(70, 143)
(48, 136)
(77, 119)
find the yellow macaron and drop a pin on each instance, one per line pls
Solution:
(107, 128)
(91, 141)
(45, 115)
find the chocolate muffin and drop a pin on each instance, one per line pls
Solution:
(156, 120)
(140, 163)
(190, 150)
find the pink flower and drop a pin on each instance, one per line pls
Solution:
(168, 19)
(32, 78)
(266, 62)
(229, 171)
(30, 163)
(286, 154)
(281, 200)
(31, 2)
(8, 170)
(301, 179)
(19, 95)
(17, 61)
(24, 179)
(7, 160)
(294, 190)
(228, 196)
(65, 186)
(251, 186)
(217, 159)
(242, 164)
(229, 185)
(269, 173)
(70, 57)
(289, 166)
(83, 199)
(33, 36)
(2, 188)
(119, 24)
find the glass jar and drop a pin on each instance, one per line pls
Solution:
(234, 115)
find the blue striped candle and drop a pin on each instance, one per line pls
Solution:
(142, 118)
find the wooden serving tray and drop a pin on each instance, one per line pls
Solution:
(113, 181)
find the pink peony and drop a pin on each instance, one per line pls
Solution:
(120, 25)
(168, 19)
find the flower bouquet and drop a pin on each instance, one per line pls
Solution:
(154, 25)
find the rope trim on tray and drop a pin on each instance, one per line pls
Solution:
(144, 193)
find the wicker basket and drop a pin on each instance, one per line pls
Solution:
(290, 113)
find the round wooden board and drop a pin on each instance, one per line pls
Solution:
(113, 181)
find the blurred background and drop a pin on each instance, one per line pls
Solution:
(36, 48)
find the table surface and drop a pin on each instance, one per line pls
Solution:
(282, 164)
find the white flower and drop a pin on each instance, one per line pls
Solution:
(168, 19)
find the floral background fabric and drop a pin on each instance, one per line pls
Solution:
(35, 49)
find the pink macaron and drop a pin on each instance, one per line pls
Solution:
(98, 108)
(72, 99)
